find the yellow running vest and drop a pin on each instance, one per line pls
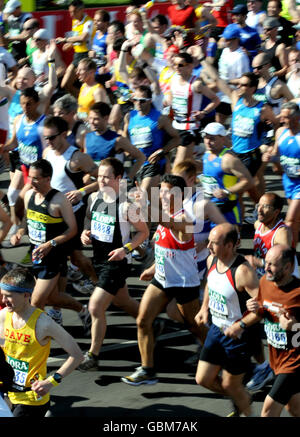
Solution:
(77, 29)
(27, 357)
(85, 101)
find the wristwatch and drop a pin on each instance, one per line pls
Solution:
(243, 325)
(57, 377)
(53, 243)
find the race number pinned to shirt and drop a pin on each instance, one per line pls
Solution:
(103, 227)
(217, 304)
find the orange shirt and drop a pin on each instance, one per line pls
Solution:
(283, 356)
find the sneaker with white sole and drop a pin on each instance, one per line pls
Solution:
(140, 376)
(56, 315)
(86, 320)
(85, 286)
(260, 378)
(251, 218)
(90, 363)
(74, 275)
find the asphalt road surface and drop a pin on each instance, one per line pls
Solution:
(102, 396)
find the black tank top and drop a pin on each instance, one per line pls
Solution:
(42, 226)
(105, 229)
(271, 53)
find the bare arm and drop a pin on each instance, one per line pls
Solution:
(164, 122)
(82, 161)
(6, 224)
(282, 55)
(123, 144)
(246, 280)
(284, 236)
(47, 328)
(232, 164)
(49, 88)
(141, 228)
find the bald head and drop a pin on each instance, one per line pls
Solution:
(261, 59)
(25, 78)
(281, 253)
(279, 264)
(227, 233)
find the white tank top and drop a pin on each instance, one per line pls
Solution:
(172, 258)
(60, 180)
(224, 300)
(184, 101)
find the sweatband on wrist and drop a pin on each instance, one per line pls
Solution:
(52, 381)
(83, 192)
(129, 246)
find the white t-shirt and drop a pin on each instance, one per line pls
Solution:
(7, 58)
(232, 64)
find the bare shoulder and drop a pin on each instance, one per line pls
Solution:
(244, 272)
(43, 328)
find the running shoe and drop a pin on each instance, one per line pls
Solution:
(86, 320)
(251, 218)
(56, 315)
(27, 260)
(140, 376)
(74, 275)
(260, 378)
(90, 363)
(84, 286)
(234, 411)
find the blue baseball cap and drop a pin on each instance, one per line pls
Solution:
(231, 32)
(239, 9)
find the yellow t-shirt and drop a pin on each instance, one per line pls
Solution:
(27, 357)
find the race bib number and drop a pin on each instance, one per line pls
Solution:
(141, 137)
(217, 304)
(28, 154)
(291, 166)
(21, 369)
(179, 106)
(209, 185)
(276, 336)
(103, 227)
(36, 232)
(292, 171)
(243, 126)
(160, 263)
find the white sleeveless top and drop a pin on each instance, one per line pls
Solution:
(184, 101)
(60, 180)
(224, 302)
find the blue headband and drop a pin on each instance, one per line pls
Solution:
(15, 288)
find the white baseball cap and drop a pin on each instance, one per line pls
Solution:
(11, 6)
(41, 34)
(214, 129)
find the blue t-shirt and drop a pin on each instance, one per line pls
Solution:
(249, 39)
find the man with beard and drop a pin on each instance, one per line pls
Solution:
(278, 302)
(270, 230)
